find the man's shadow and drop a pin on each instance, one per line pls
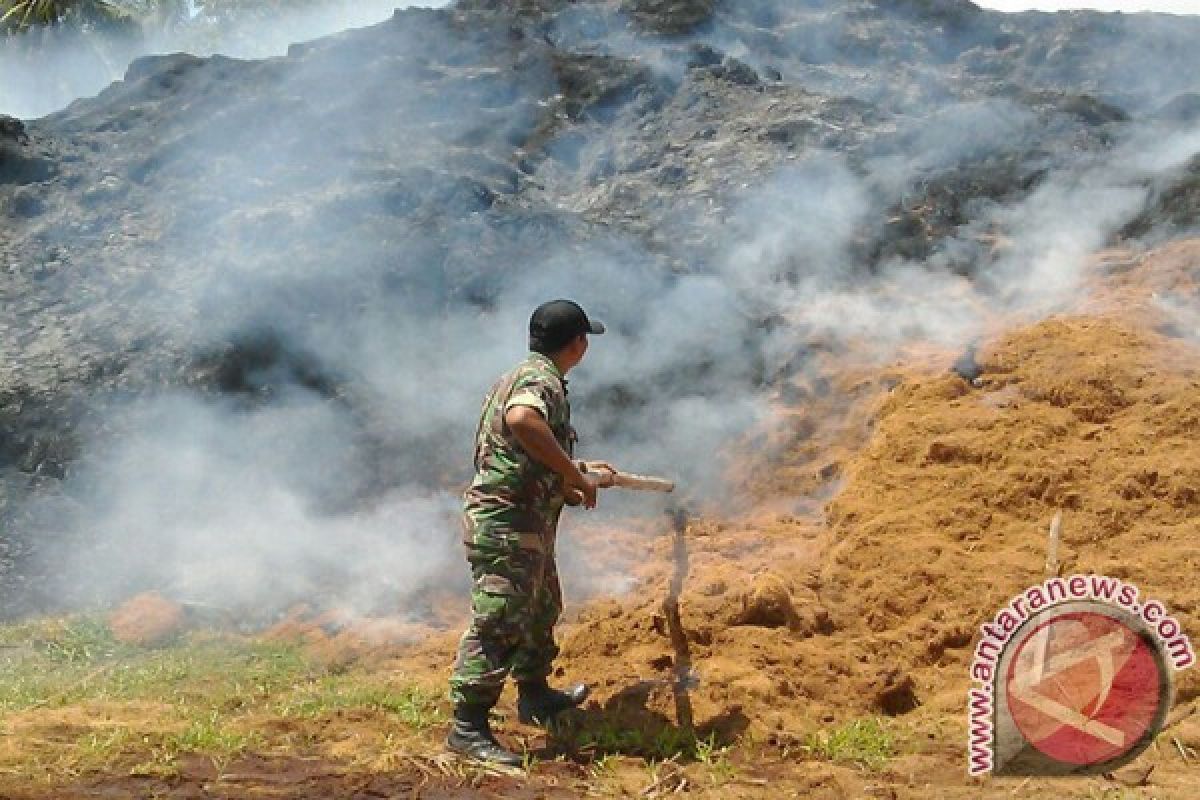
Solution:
(626, 725)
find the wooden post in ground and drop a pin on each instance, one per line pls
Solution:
(679, 643)
(1043, 638)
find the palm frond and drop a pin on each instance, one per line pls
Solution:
(20, 15)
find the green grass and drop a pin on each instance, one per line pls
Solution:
(102, 746)
(83, 640)
(211, 736)
(715, 760)
(61, 664)
(66, 637)
(865, 742)
(207, 733)
(78, 661)
(152, 751)
(202, 693)
(416, 708)
(603, 767)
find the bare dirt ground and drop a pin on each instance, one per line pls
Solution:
(828, 642)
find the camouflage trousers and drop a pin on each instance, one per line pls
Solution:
(515, 602)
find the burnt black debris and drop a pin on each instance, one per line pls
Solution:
(21, 163)
(670, 17)
(12, 129)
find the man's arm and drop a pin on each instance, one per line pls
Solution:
(535, 437)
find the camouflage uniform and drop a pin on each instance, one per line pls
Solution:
(510, 515)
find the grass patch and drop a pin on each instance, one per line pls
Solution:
(80, 640)
(94, 751)
(80, 662)
(602, 768)
(103, 744)
(865, 742)
(210, 736)
(416, 708)
(716, 761)
(138, 710)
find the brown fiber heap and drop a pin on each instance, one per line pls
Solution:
(146, 619)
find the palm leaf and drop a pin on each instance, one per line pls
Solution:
(18, 15)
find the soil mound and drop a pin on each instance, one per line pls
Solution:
(944, 492)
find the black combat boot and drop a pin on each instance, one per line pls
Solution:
(537, 703)
(471, 736)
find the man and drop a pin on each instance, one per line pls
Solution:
(524, 473)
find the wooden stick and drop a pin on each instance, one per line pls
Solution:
(683, 657)
(1052, 545)
(645, 483)
(629, 480)
(1043, 640)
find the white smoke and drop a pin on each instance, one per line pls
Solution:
(1124, 6)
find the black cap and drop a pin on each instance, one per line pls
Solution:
(554, 324)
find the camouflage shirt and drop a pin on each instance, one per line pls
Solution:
(511, 491)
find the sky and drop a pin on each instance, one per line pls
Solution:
(1168, 6)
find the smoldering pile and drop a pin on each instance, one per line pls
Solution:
(251, 306)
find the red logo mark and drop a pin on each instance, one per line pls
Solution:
(1084, 688)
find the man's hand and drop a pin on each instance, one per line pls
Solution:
(585, 490)
(598, 475)
(605, 470)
